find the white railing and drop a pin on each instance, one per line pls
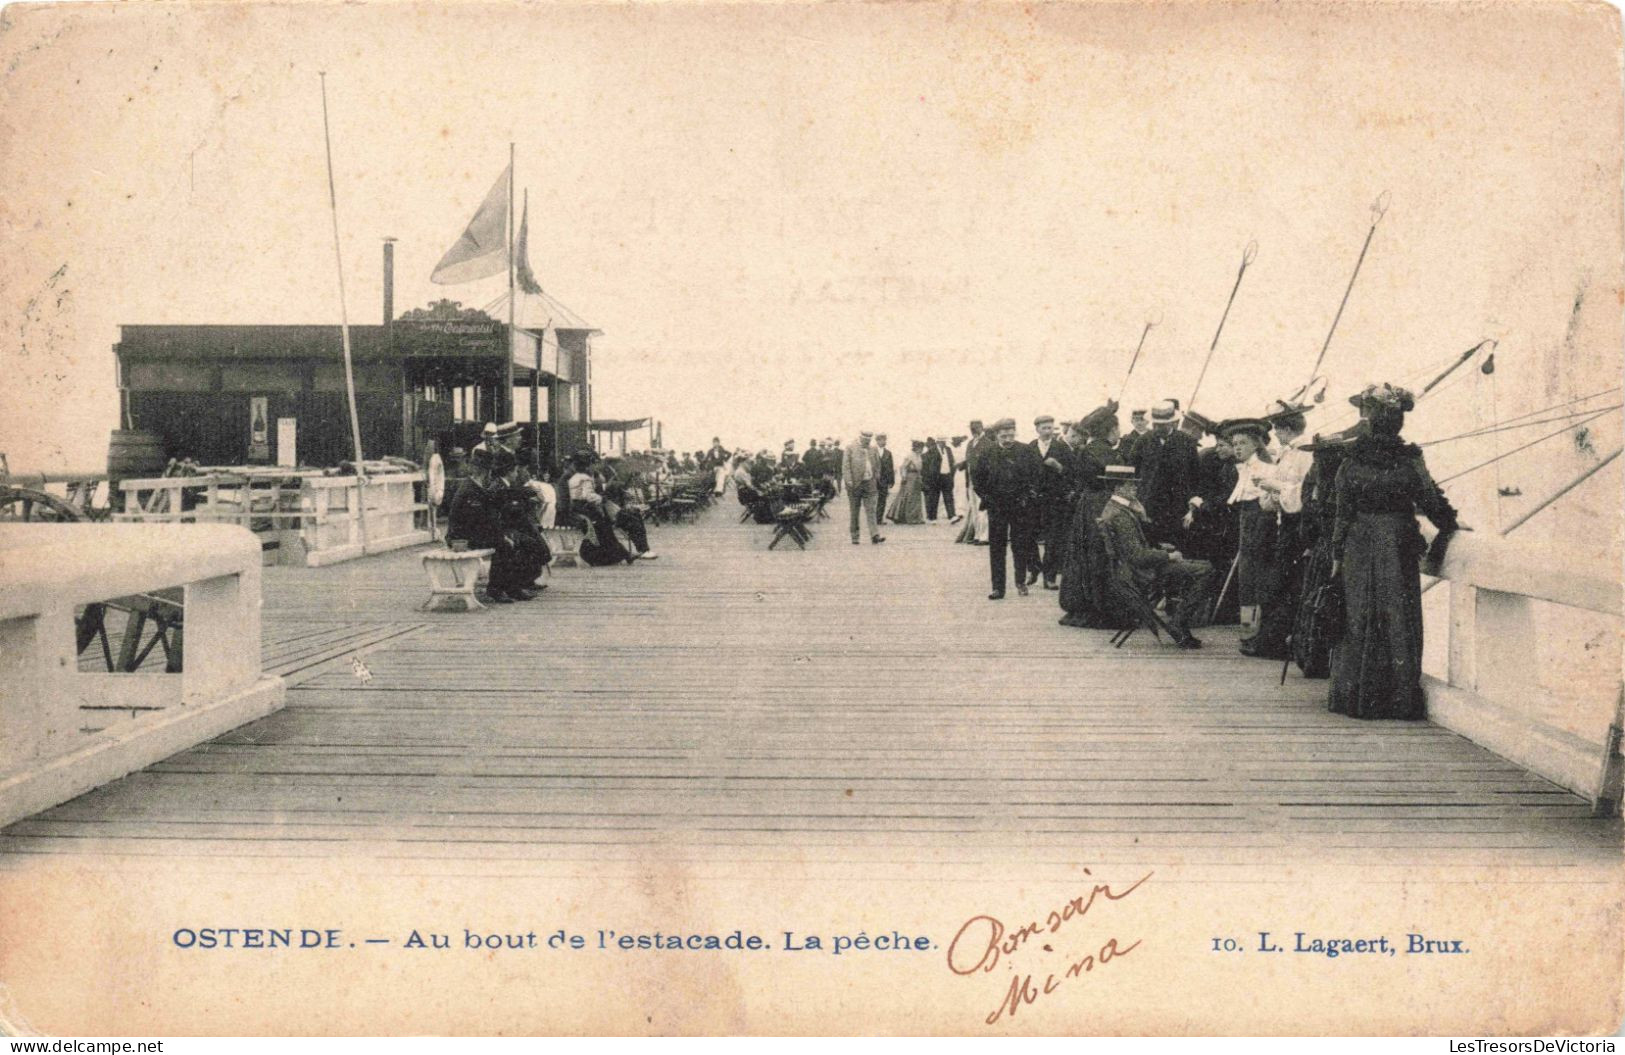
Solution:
(1524, 658)
(312, 519)
(50, 750)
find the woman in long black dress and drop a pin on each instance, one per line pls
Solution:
(1084, 574)
(1381, 486)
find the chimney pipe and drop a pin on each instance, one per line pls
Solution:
(389, 281)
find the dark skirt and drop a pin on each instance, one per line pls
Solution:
(1377, 666)
(1311, 644)
(1257, 574)
(1083, 576)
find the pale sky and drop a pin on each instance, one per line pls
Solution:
(797, 221)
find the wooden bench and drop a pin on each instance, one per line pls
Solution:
(452, 574)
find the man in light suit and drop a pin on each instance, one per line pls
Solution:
(858, 472)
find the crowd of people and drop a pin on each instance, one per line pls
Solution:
(494, 501)
(1309, 542)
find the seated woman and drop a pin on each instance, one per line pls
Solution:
(1377, 548)
(601, 546)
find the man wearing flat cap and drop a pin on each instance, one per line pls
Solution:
(1055, 485)
(885, 476)
(1007, 479)
(1137, 568)
(858, 473)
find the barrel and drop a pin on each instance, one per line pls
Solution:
(133, 454)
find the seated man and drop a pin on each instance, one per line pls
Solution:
(1138, 568)
(483, 515)
(601, 546)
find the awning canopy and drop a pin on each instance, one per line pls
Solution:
(619, 424)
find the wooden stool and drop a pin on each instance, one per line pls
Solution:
(453, 574)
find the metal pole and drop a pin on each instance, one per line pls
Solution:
(1148, 324)
(1379, 209)
(507, 390)
(1246, 259)
(344, 332)
(1576, 482)
(1468, 354)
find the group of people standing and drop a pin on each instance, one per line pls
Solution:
(923, 482)
(1311, 543)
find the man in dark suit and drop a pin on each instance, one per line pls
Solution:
(885, 476)
(812, 460)
(1055, 483)
(1165, 459)
(1006, 479)
(1138, 427)
(1138, 568)
(932, 482)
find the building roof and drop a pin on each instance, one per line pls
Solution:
(537, 311)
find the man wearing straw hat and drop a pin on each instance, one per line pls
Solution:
(1166, 460)
(1139, 566)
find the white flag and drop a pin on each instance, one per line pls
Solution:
(482, 251)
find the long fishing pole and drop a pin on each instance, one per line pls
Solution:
(1454, 363)
(1531, 443)
(1565, 403)
(1148, 324)
(1379, 209)
(1453, 367)
(1508, 426)
(1548, 501)
(1246, 259)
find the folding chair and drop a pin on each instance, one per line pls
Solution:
(1145, 614)
(792, 524)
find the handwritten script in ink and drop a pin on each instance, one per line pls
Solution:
(1041, 958)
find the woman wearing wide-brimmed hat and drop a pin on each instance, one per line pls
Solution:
(1381, 487)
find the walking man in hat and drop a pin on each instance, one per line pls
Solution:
(1006, 478)
(858, 473)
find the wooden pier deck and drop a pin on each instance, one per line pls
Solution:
(836, 709)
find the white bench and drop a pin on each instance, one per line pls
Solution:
(452, 574)
(564, 542)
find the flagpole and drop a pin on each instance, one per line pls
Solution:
(536, 368)
(507, 399)
(344, 332)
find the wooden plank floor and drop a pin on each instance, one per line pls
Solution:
(841, 708)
